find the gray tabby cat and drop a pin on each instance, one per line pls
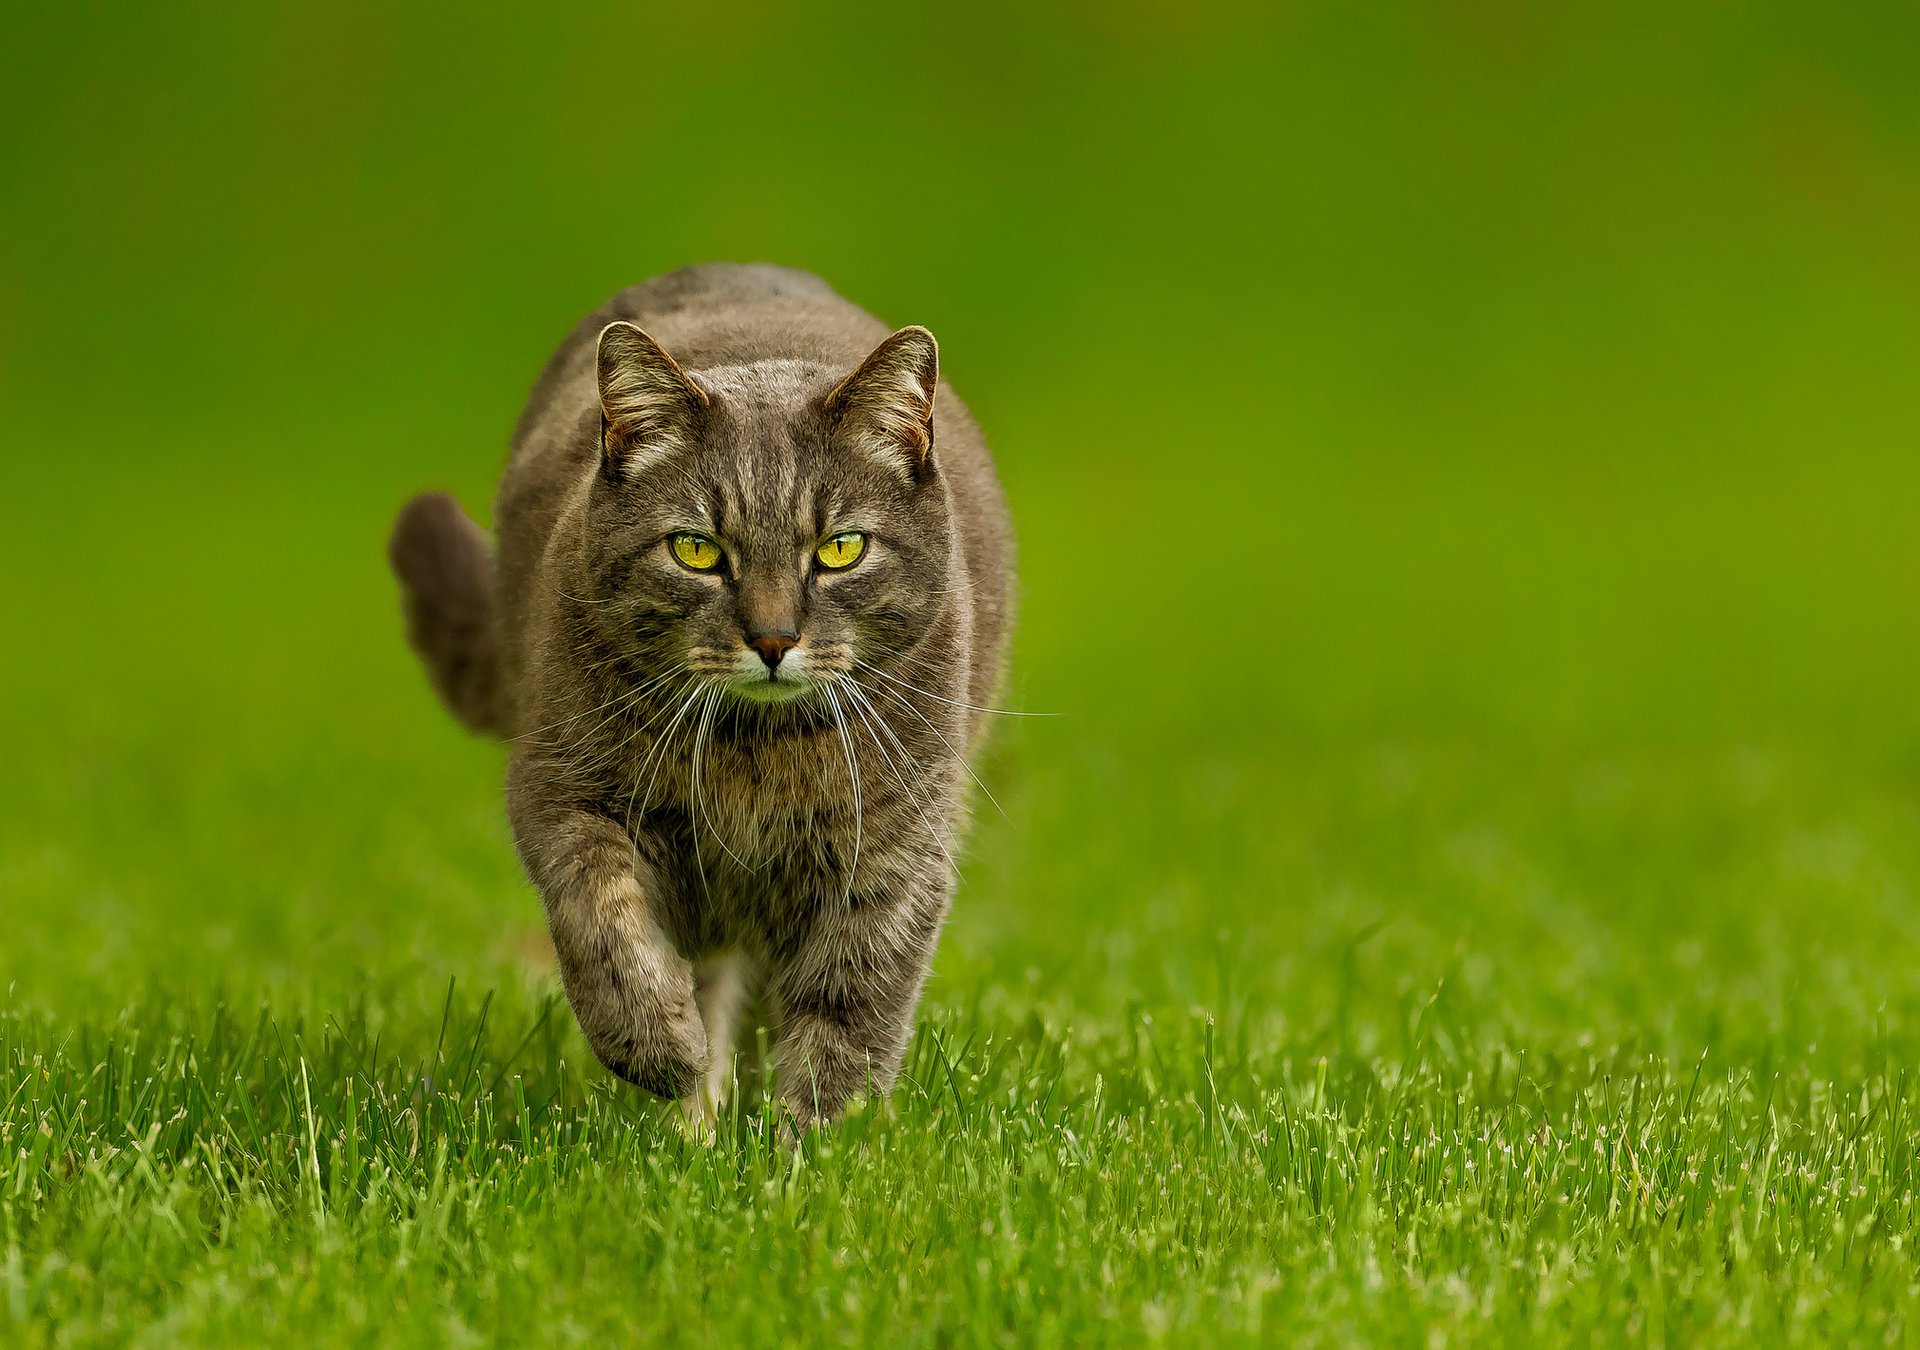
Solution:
(750, 602)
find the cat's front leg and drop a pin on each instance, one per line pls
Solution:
(631, 990)
(846, 996)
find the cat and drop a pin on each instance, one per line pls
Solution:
(749, 605)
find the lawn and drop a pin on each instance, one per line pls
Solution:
(1469, 887)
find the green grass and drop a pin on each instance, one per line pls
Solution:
(215, 1176)
(1464, 469)
(1275, 1008)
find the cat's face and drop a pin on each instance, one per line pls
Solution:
(766, 529)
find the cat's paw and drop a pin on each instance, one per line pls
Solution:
(665, 1054)
(698, 1118)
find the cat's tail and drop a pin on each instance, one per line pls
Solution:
(445, 566)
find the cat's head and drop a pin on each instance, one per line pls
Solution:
(765, 527)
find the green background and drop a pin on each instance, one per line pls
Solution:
(1464, 459)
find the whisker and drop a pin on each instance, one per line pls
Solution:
(656, 754)
(933, 831)
(970, 707)
(960, 758)
(699, 795)
(853, 772)
(625, 706)
(530, 736)
(633, 693)
(581, 599)
(584, 768)
(965, 588)
(693, 819)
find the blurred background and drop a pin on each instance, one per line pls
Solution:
(1464, 458)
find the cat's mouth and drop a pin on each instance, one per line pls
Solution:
(779, 676)
(775, 686)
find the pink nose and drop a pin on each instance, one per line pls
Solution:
(773, 646)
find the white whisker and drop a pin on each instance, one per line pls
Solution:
(700, 738)
(960, 758)
(853, 772)
(970, 707)
(933, 831)
(656, 755)
(632, 694)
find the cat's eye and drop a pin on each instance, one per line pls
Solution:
(841, 551)
(695, 552)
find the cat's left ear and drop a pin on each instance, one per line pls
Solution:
(886, 406)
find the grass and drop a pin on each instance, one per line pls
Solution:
(1463, 465)
(217, 1177)
(1426, 1010)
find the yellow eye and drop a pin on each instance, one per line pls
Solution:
(695, 551)
(843, 550)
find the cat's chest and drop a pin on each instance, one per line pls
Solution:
(768, 836)
(756, 801)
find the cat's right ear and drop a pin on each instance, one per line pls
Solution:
(648, 405)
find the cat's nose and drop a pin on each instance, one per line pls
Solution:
(773, 646)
